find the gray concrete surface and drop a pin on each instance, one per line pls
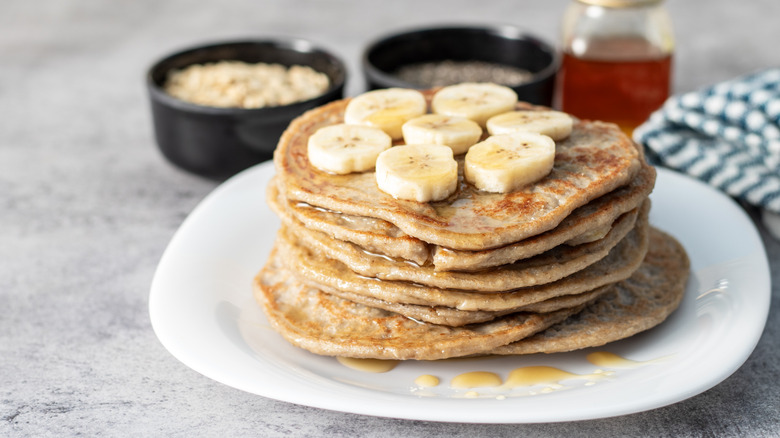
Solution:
(87, 206)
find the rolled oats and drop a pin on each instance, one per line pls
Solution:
(243, 85)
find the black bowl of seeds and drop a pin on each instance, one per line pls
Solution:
(220, 108)
(440, 56)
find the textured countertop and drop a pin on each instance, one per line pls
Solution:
(88, 205)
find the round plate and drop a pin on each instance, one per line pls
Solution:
(203, 312)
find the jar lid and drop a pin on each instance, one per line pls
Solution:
(620, 3)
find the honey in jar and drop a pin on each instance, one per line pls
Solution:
(617, 60)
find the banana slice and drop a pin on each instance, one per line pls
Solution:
(503, 163)
(420, 172)
(456, 132)
(554, 124)
(475, 101)
(343, 149)
(386, 109)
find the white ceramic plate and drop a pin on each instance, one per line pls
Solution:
(203, 312)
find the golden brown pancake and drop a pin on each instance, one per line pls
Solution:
(381, 237)
(329, 325)
(594, 160)
(279, 260)
(553, 265)
(372, 234)
(324, 273)
(567, 262)
(601, 212)
(632, 306)
(332, 326)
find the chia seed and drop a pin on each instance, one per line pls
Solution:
(449, 72)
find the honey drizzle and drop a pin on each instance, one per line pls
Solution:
(476, 379)
(530, 376)
(611, 360)
(427, 381)
(368, 365)
(541, 375)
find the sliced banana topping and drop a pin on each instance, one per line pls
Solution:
(554, 124)
(386, 109)
(503, 163)
(421, 172)
(344, 149)
(475, 101)
(456, 132)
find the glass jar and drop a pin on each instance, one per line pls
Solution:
(617, 60)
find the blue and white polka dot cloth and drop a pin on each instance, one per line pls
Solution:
(727, 135)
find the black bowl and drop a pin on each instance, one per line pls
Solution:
(219, 142)
(506, 45)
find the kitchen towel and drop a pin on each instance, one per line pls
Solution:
(727, 135)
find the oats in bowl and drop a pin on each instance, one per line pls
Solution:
(220, 108)
(239, 84)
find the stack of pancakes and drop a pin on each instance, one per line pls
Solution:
(565, 263)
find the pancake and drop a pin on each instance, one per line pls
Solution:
(632, 306)
(372, 234)
(599, 213)
(553, 265)
(381, 237)
(279, 260)
(324, 273)
(567, 262)
(328, 325)
(594, 160)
